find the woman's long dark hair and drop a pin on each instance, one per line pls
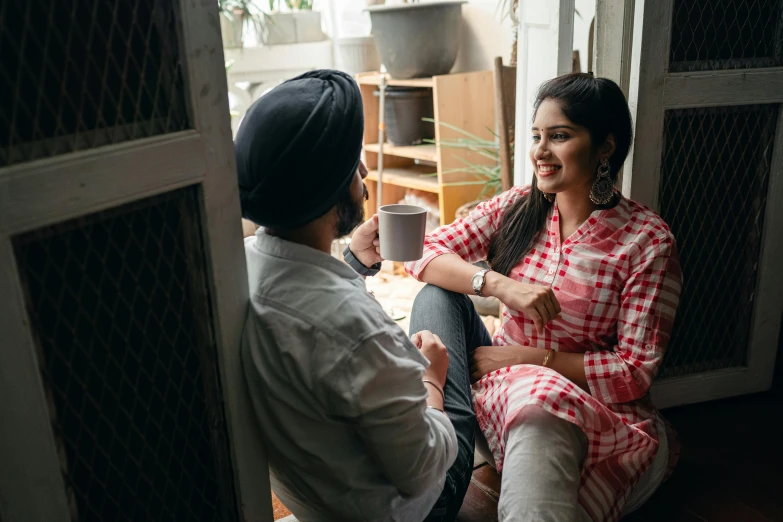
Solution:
(597, 104)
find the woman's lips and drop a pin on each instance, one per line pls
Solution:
(547, 170)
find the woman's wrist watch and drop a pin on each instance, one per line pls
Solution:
(478, 281)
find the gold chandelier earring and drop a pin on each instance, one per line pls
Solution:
(603, 188)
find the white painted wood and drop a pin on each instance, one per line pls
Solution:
(633, 91)
(711, 89)
(48, 191)
(565, 37)
(544, 51)
(43, 192)
(225, 254)
(702, 387)
(614, 40)
(652, 91)
(768, 307)
(651, 42)
(31, 486)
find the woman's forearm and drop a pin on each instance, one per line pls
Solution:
(487, 359)
(570, 365)
(451, 272)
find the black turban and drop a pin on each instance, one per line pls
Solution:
(298, 149)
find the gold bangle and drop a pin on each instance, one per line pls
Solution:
(547, 357)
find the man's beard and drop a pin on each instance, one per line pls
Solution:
(350, 213)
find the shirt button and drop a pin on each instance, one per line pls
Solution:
(551, 270)
(557, 250)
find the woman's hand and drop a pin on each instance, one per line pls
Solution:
(535, 301)
(487, 359)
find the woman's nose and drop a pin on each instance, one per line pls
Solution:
(541, 150)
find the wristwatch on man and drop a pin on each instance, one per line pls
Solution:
(478, 281)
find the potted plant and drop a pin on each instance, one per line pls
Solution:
(417, 40)
(486, 174)
(234, 14)
(297, 24)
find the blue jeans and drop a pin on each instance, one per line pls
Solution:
(452, 317)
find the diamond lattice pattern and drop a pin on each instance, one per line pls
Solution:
(119, 307)
(713, 194)
(81, 74)
(726, 34)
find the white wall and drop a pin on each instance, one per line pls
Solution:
(485, 32)
(485, 35)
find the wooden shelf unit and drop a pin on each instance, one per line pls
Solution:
(420, 152)
(416, 177)
(465, 100)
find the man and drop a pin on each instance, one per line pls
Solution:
(350, 409)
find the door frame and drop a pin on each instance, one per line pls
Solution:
(546, 33)
(653, 90)
(48, 191)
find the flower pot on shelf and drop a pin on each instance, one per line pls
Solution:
(404, 111)
(295, 27)
(308, 27)
(280, 28)
(231, 30)
(356, 55)
(417, 40)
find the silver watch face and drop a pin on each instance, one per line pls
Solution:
(477, 280)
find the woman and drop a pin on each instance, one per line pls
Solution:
(590, 282)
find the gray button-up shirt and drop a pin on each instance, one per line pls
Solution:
(337, 388)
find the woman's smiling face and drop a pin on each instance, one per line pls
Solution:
(562, 153)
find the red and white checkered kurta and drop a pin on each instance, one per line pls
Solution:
(617, 280)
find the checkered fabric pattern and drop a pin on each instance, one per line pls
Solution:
(617, 279)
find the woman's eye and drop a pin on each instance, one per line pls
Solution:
(536, 138)
(559, 136)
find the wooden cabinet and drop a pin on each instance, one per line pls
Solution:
(464, 100)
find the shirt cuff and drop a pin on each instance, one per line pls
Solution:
(603, 371)
(358, 266)
(415, 268)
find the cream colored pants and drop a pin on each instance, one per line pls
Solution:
(544, 457)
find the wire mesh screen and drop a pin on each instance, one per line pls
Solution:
(713, 194)
(119, 306)
(712, 35)
(79, 75)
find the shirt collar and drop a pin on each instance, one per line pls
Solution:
(288, 250)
